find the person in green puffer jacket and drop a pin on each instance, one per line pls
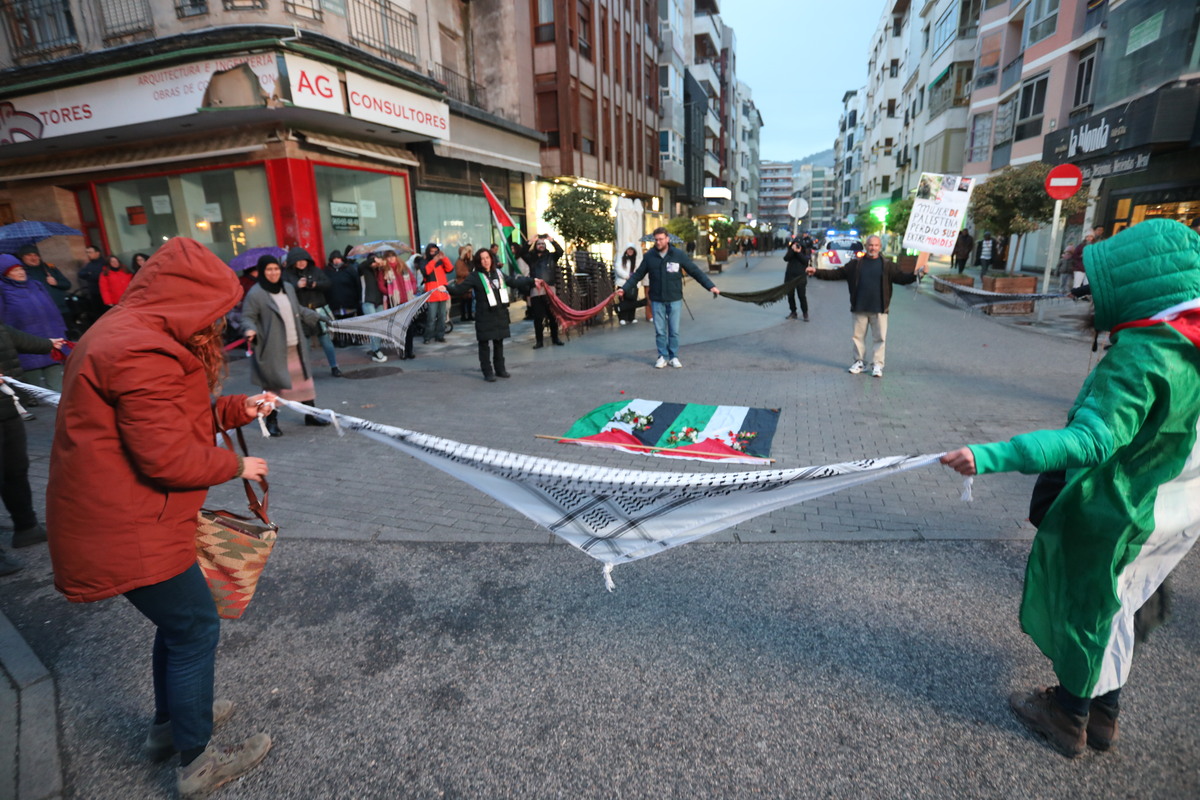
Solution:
(1127, 514)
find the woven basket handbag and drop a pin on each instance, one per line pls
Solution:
(232, 549)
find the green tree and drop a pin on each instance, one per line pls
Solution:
(583, 216)
(1014, 202)
(866, 223)
(684, 228)
(898, 214)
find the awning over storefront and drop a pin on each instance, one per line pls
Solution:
(365, 149)
(486, 144)
(125, 158)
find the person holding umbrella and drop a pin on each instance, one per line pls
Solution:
(46, 274)
(27, 306)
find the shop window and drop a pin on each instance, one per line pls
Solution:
(544, 30)
(1032, 105)
(1083, 77)
(585, 32)
(40, 29)
(227, 210)
(1041, 18)
(190, 8)
(987, 67)
(454, 221)
(981, 137)
(361, 206)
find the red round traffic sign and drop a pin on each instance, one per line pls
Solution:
(1063, 181)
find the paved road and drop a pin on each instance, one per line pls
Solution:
(413, 638)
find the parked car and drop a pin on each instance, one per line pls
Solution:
(839, 251)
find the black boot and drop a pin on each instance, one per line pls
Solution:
(488, 375)
(315, 421)
(273, 424)
(501, 372)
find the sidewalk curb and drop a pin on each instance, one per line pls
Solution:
(30, 767)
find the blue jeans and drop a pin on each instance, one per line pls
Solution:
(666, 327)
(435, 319)
(326, 341)
(185, 653)
(374, 344)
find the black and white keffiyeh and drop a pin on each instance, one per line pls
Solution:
(391, 324)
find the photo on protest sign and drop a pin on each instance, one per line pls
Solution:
(938, 211)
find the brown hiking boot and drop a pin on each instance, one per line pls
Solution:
(1101, 727)
(160, 743)
(217, 766)
(1040, 712)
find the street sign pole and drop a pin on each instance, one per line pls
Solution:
(1050, 257)
(1062, 182)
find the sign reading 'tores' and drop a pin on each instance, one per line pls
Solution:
(397, 108)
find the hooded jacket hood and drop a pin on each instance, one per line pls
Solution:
(182, 289)
(296, 254)
(1143, 270)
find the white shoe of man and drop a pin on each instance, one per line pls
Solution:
(857, 367)
(676, 363)
(662, 362)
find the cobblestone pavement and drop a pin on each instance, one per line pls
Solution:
(414, 638)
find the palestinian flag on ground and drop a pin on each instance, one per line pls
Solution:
(508, 229)
(679, 430)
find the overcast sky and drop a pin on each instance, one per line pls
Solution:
(799, 57)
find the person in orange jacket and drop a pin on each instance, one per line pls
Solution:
(133, 456)
(114, 280)
(433, 276)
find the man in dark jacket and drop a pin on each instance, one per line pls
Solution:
(542, 254)
(796, 258)
(89, 279)
(665, 266)
(964, 245)
(870, 280)
(344, 293)
(14, 458)
(48, 274)
(311, 283)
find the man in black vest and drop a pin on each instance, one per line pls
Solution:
(870, 280)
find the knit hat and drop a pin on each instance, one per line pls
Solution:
(27, 249)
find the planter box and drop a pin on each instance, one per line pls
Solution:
(1013, 284)
(957, 280)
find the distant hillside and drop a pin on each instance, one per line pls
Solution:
(821, 159)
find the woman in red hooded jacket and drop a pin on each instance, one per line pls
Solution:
(134, 442)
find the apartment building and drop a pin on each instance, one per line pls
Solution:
(249, 123)
(940, 51)
(1132, 115)
(848, 195)
(821, 198)
(883, 105)
(776, 186)
(596, 79)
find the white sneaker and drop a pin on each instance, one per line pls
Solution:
(378, 357)
(633, 321)
(662, 362)
(623, 322)
(856, 367)
(676, 363)
(876, 371)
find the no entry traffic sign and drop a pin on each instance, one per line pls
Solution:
(1063, 181)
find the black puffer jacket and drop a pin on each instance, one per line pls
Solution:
(491, 321)
(313, 293)
(12, 342)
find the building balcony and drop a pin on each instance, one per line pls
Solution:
(712, 124)
(706, 75)
(670, 171)
(712, 165)
(708, 35)
(1011, 74)
(670, 112)
(382, 28)
(460, 87)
